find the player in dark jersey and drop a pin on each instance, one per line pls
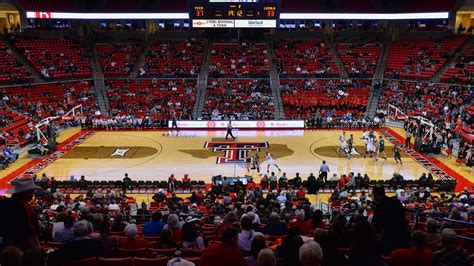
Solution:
(350, 144)
(396, 154)
(381, 149)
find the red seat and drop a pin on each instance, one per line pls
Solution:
(116, 261)
(151, 262)
(84, 262)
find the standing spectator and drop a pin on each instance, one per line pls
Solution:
(226, 253)
(324, 170)
(389, 216)
(451, 254)
(408, 140)
(21, 228)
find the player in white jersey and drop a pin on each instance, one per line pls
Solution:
(271, 162)
(365, 136)
(371, 147)
(343, 142)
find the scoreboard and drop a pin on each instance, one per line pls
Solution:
(234, 14)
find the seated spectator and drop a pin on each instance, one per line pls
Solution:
(11, 255)
(67, 233)
(274, 226)
(174, 225)
(330, 252)
(303, 226)
(132, 242)
(258, 243)
(364, 249)
(433, 237)
(248, 234)
(166, 240)
(266, 257)
(108, 242)
(191, 237)
(119, 224)
(154, 227)
(230, 218)
(417, 255)
(311, 254)
(81, 247)
(226, 253)
(288, 251)
(451, 254)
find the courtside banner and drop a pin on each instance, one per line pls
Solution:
(274, 124)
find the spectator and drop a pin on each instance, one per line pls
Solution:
(418, 255)
(191, 237)
(274, 227)
(389, 215)
(132, 242)
(166, 240)
(67, 233)
(364, 249)
(119, 224)
(108, 242)
(330, 252)
(311, 254)
(288, 251)
(154, 227)
(21, 228)
(451, 254)
(11, 256)
(230, 218)
(433, 237)
(248, 234)
(82, 247)
(174, 225)
(227, 253)
(303, 226)
(266, 257)
(258, 243)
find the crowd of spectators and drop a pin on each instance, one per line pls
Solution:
(238, 99)
(306, 59)
(172, 59)
(158, 99)
(118, 59)
(310, 98)
(445, 106)
(56, 58)
(11, 70)
(359, 56)
(244, 227)
(420, 59)
(243, 59)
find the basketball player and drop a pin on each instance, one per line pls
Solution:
(365, 136)
(349, 146)
(229, 131)
(396, 154)
(271, 161)
(381, 149)
(256, 163)
(371, 149)
(343, 143)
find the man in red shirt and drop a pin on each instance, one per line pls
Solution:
(301, 194)
(227, 253)
(416, 255)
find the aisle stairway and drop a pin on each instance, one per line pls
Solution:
(202, 82)
(376, 91)
(99, 83)
(340, 66)
(22, 59)
(141, 58)
(275, 82)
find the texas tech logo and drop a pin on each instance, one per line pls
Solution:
(235, 152)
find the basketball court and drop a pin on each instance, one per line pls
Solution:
(154, 155)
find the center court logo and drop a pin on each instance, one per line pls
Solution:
(235, 152)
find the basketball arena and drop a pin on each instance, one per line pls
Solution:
(214, 132)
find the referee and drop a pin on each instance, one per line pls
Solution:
(229, 131)
(324, 170)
